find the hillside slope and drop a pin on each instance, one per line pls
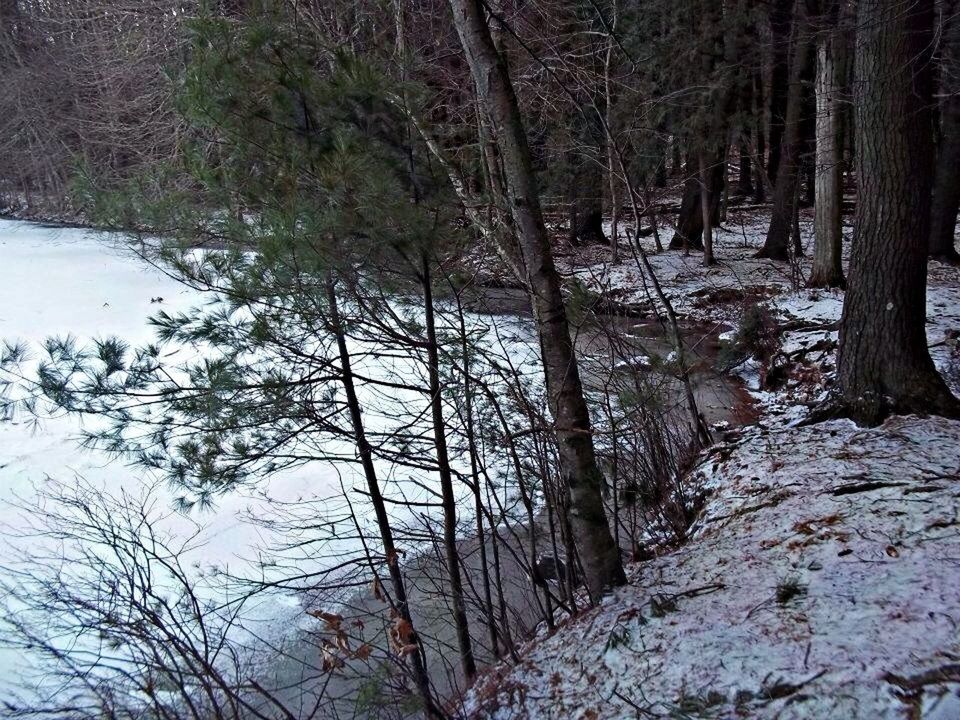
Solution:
(822, 581)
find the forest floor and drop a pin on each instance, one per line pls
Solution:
(822, 577)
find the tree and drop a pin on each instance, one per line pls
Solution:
(689, 233)
(777, 244)
(585, 182)
(830, 79)
(600, 556)
(146, 638)
(883, 364)
(946, 187)
(781, 13)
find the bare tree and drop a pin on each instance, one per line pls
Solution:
(599, 554)
(831, 46)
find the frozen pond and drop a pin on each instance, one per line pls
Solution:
(58, 281)
(64, 281)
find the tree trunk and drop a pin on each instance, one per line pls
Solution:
(760, 184)
(946, 188)
(777, 245)
(578, 464)
(478, 505)
(780, 21)
(745, 174)
(883, 364)
(660, 173)
(705, 210)
(585, 189)
(828, 236)
(689, 232)
(400, 603)
(448, 499)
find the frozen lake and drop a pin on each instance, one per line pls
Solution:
(58, 281)
(65, 281)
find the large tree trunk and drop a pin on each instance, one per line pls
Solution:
(745, 170)
(586, 173)
(705, 197)
(689, 232)
(578, 464)
(946, 189)
(777, 245)
(883, 365)
(585, 196)
(780, 20)
(760, 185)
(831, 72)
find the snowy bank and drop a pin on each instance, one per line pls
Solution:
(822, 581)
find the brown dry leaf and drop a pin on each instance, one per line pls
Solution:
(343, 642)
(363, 652)
(407, 650)
(377, 590)
(332, 620)
(331, 661)
(892, 551)
(402, 631)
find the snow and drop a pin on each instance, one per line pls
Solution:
(822, 577)
(823, 571)
(65, 281)
(70, 281)
(701, 629)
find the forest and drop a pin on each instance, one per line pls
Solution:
(479, 359)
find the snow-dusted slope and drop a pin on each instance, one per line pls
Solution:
(822, 581)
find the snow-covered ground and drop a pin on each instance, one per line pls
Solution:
(822, 581)
(822, 578)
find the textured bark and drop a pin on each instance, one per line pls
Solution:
(831, 43)
(660, 174)
(585, 189)
(946, 189)
(586, 207)
(745, 169)
(676, 160)
(599, 555)
(883, 364)
(760, 186)
(777, 245)
(705, 211)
